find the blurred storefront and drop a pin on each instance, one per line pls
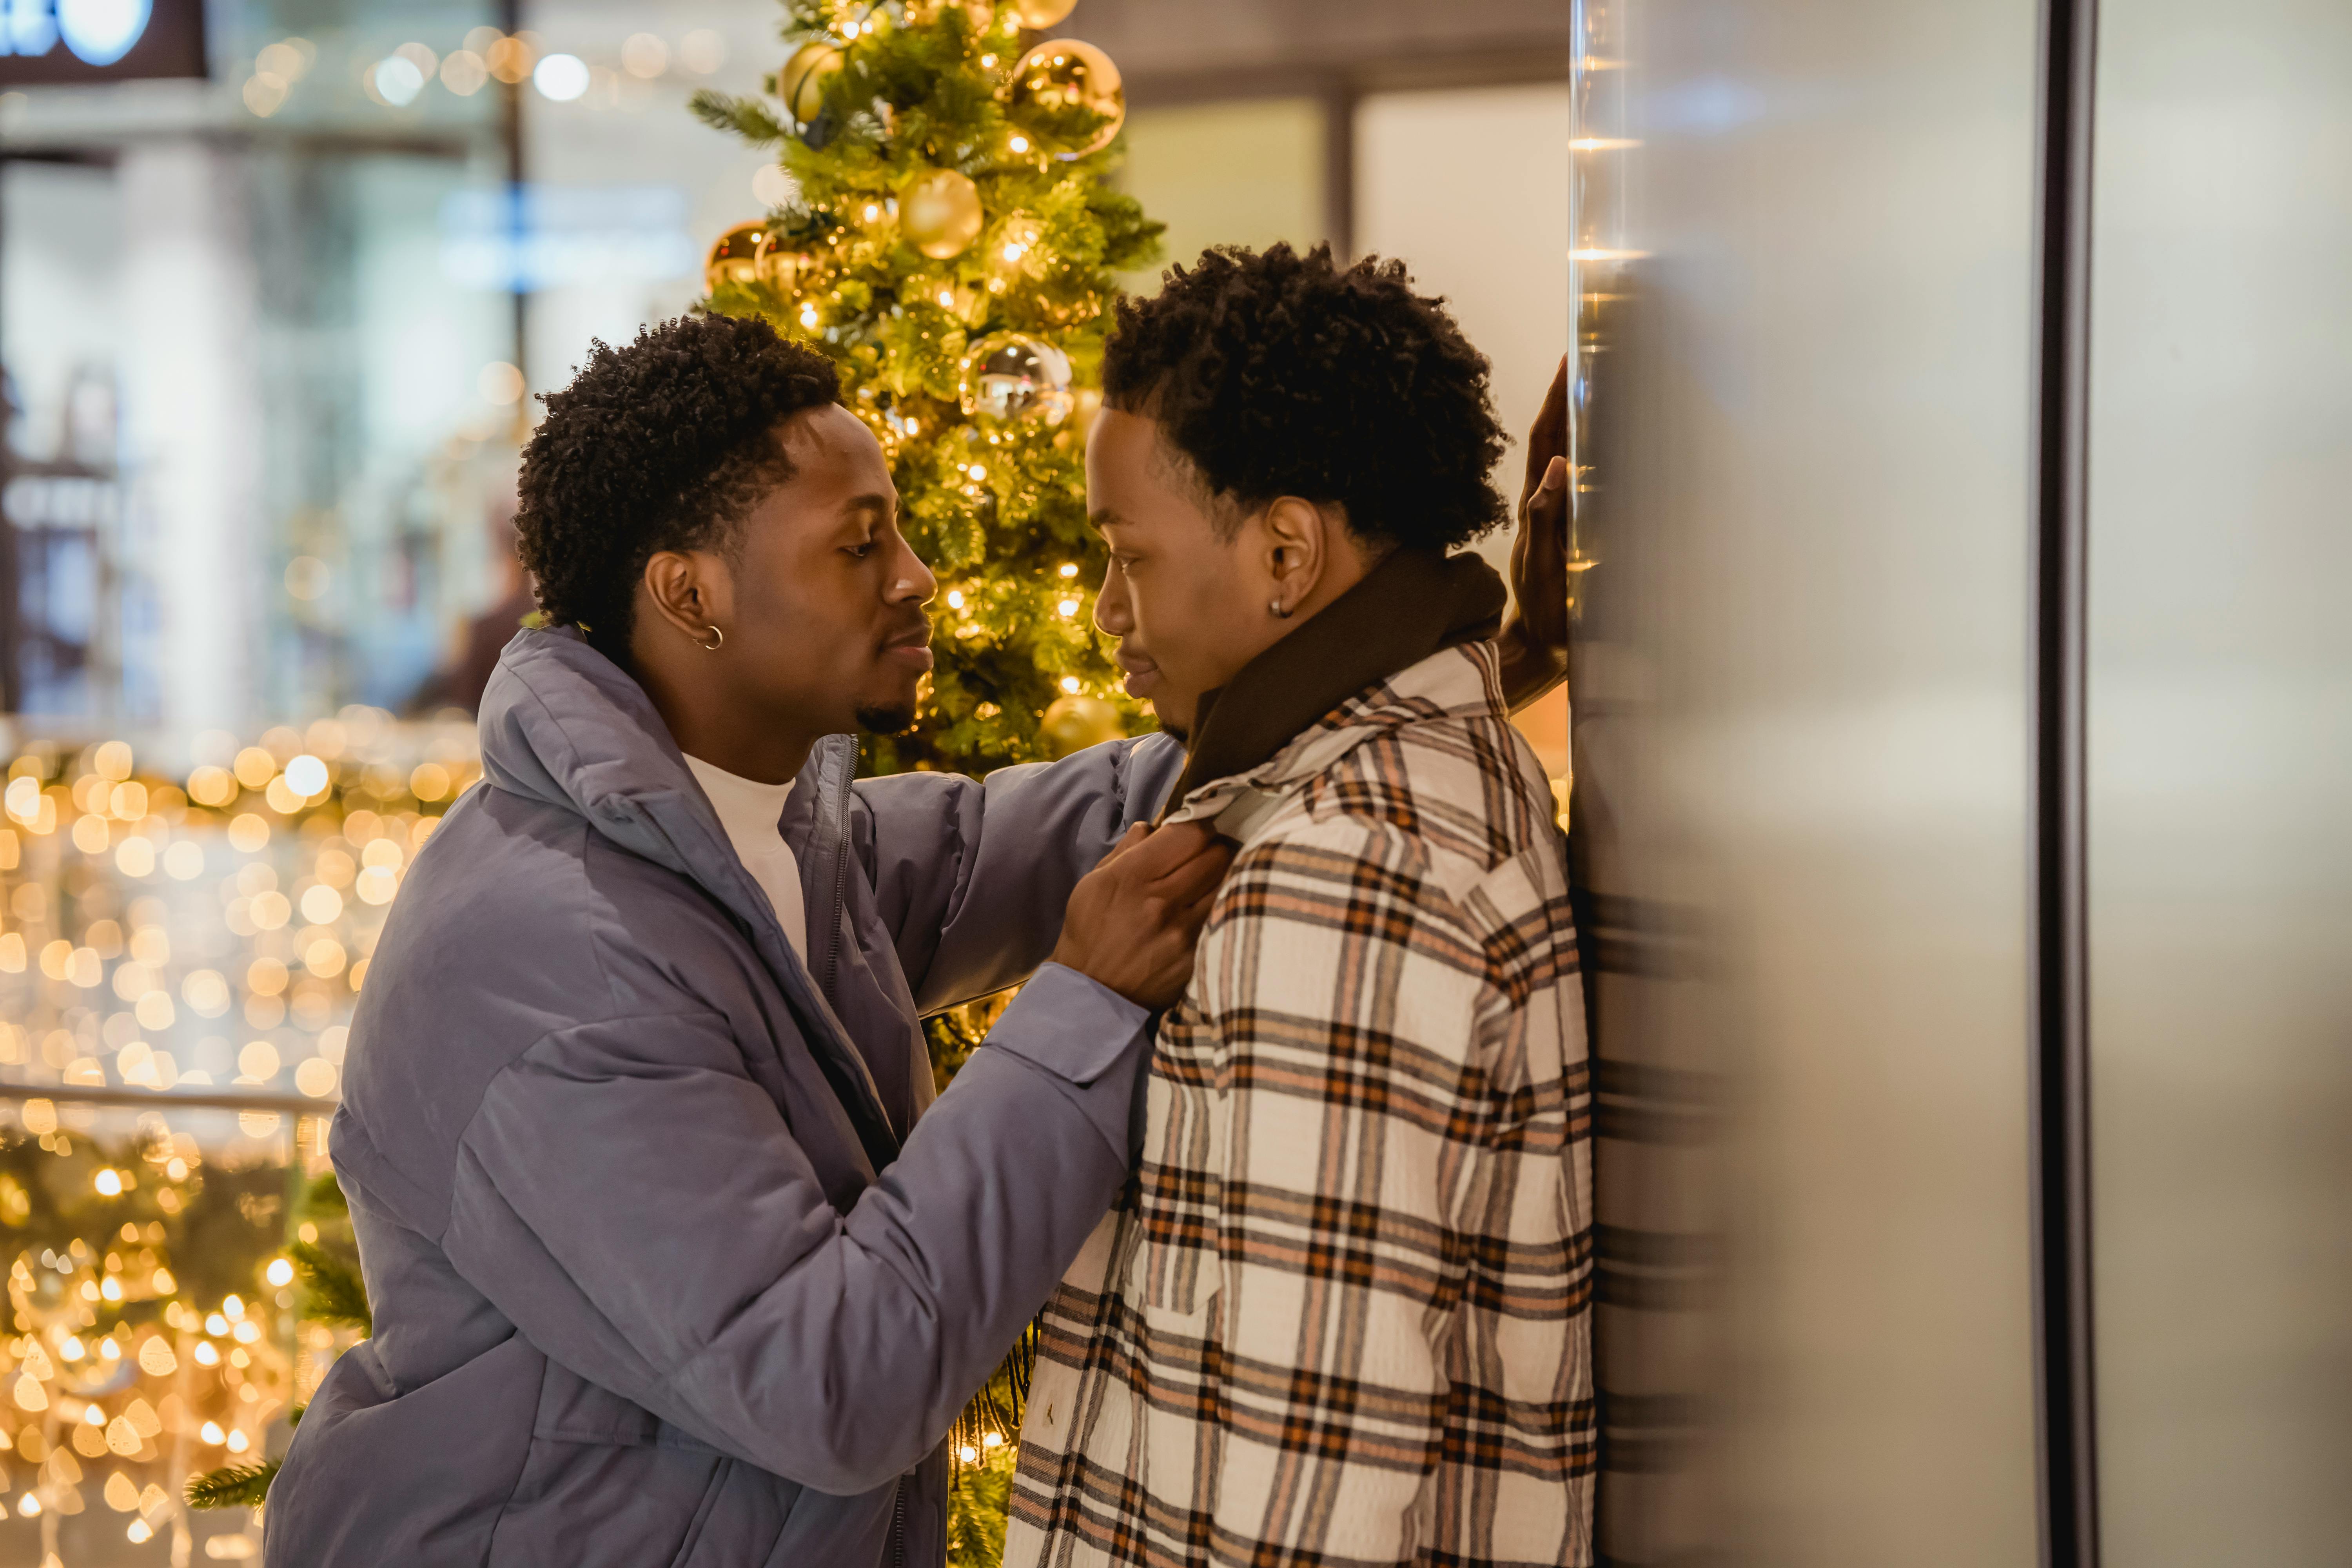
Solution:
(262, 331)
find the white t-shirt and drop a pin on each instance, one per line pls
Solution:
(749, 811)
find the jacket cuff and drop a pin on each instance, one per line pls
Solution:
(1070, 1024)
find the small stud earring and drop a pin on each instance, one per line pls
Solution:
(717, 640)
(1279, 613)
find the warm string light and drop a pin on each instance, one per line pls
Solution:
(138, 910)
(150, 922)
(115, 1383)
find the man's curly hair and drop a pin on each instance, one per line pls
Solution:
(664, 444)
(1277, 373)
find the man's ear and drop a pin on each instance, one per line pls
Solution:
(688, 589)
(1298, 550)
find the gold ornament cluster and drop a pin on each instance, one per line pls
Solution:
(1054, 86)
(940, 211)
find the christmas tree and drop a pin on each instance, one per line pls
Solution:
(950, 246)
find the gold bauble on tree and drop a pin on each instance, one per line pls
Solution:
(776, 263)
(939, 213)
(1058, 76)
(1073, 723)
(748, 254)
(1013, 378)
(1043, 13)
(735, 259)
(800, 84)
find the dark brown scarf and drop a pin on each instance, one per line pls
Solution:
(1409, 606)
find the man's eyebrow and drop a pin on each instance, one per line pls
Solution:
(1105, 518)
(863, 509)
(859, 515)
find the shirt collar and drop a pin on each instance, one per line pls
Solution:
(746, 808)
(1463, 681)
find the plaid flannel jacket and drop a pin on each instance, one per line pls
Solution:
(1342, 1316)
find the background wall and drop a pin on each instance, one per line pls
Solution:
(2221, 727)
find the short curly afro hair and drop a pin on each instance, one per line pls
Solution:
(664, 444)
(1275, 374)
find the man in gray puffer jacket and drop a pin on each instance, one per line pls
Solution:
(664, 1270)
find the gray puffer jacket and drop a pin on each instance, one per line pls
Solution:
(663, 1271)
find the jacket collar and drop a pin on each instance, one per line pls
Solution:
(1408, 607)
(562, 724)
(1461, 681)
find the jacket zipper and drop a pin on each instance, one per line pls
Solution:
(840, 882)
(834, 840)
(898, 1524)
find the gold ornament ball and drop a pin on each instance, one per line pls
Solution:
(939, 213)
(735, 259)
(1075, 722)
(1012, 376)
(800, 84)
(1063, 74)
(1043, 13)
(777, 264)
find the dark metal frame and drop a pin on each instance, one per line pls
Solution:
(2061, 1123)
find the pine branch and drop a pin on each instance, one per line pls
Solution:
(1003, 1398)
(333, 1292)
(235, 1486)
(327, 1193)
(744, 117)
(976, 1511)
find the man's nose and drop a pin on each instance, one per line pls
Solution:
(1112, 615)
(912, 580)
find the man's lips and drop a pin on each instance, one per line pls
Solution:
(912, 647)
(1142, 675)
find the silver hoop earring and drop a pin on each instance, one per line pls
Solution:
(1279, 613)
(718, 641)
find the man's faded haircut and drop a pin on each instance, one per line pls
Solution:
(1276, 375)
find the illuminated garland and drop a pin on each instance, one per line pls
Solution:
(164, 935)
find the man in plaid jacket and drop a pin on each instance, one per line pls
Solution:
(1342, 1314)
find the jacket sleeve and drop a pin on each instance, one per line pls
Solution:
(639, 1209)
(972, 875)
(1339, 996)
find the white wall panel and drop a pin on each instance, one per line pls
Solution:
(2220, 764)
